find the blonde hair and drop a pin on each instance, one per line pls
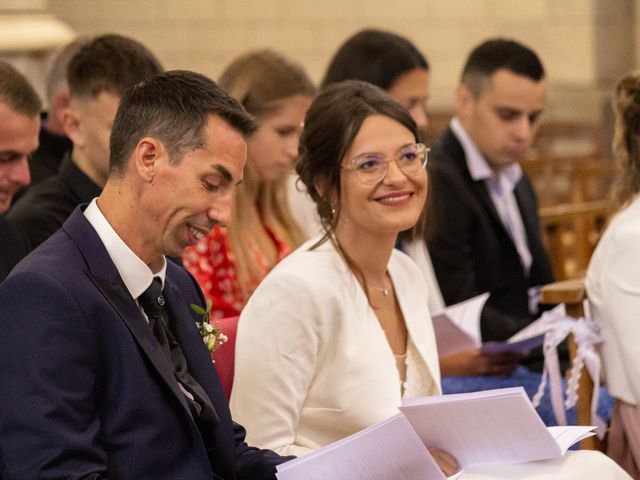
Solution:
(626, 139)
(262, 81)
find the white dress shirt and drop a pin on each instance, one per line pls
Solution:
(136, 275)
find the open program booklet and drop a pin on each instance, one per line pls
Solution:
(490, 427)
(457, 330)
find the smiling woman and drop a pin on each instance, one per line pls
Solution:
(230, 262)
(356, 326)
(341, 329)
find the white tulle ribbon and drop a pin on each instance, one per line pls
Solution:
(586, 334)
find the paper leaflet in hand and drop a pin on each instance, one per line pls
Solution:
(457, 328)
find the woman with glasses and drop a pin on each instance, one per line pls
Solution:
(338, 327)
(339, 331)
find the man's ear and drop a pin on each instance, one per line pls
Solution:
(71, 124)
(146, 157)
(464, 100)
(60, 104)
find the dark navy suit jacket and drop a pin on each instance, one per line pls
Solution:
(85, 391)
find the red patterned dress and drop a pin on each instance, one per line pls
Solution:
(212, 263)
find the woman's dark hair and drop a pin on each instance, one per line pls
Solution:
(375, 56)
(330, 126)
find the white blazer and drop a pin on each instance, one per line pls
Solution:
(613, 287)
(313, 364)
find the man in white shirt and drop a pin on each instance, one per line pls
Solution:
(484, 234)
(104, 372)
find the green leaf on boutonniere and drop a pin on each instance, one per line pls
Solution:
(211, 335)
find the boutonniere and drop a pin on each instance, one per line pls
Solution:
(211, 335)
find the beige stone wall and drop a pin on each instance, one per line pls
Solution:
(204, 35)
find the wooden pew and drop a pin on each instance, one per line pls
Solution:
(559, 180)
(572, 293)
(570, 233)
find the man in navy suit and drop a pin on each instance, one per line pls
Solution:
(88, 388)
(484, 234)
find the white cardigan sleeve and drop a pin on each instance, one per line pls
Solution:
(279, 337)
(620, 294)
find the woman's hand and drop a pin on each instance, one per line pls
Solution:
(447, 462)
(476, 362)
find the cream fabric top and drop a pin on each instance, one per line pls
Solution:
(313, 364)
(613, 287)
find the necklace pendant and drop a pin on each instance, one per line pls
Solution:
(385, 292)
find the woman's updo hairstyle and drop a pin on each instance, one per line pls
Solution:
(330, 126)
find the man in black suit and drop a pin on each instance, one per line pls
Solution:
(103, 377)
(19, 124)
(484, 234)
(98, 74)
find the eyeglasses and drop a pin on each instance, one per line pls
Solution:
(373, 167)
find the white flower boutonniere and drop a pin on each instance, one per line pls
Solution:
(211, 335)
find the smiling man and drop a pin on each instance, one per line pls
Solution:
(19, 125)
(484, 234)
(105, 373)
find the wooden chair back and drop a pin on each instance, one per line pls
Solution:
(572, 293)
(560, 180)
(571, 232)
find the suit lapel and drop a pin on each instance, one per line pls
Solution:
(527, 207)
(107, 279)
(129, 313)
(478, 187)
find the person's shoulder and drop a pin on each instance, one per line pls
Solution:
(444, 148)
(401, 264)
(311, 261)
(40, 199)
(624, 227)
(57, 255)
(54, 270)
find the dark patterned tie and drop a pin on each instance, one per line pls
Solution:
(153, 304)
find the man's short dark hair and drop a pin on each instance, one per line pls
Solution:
(110, 63)
(17, 92)
(173, 107)
(58, 66)
(498, 54)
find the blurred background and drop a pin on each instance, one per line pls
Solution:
(586, 45)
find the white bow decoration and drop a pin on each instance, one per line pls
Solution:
(586, 334)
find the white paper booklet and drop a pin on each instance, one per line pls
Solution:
(390, 449)
(529, 337)
(490, 427)
(457, 330)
